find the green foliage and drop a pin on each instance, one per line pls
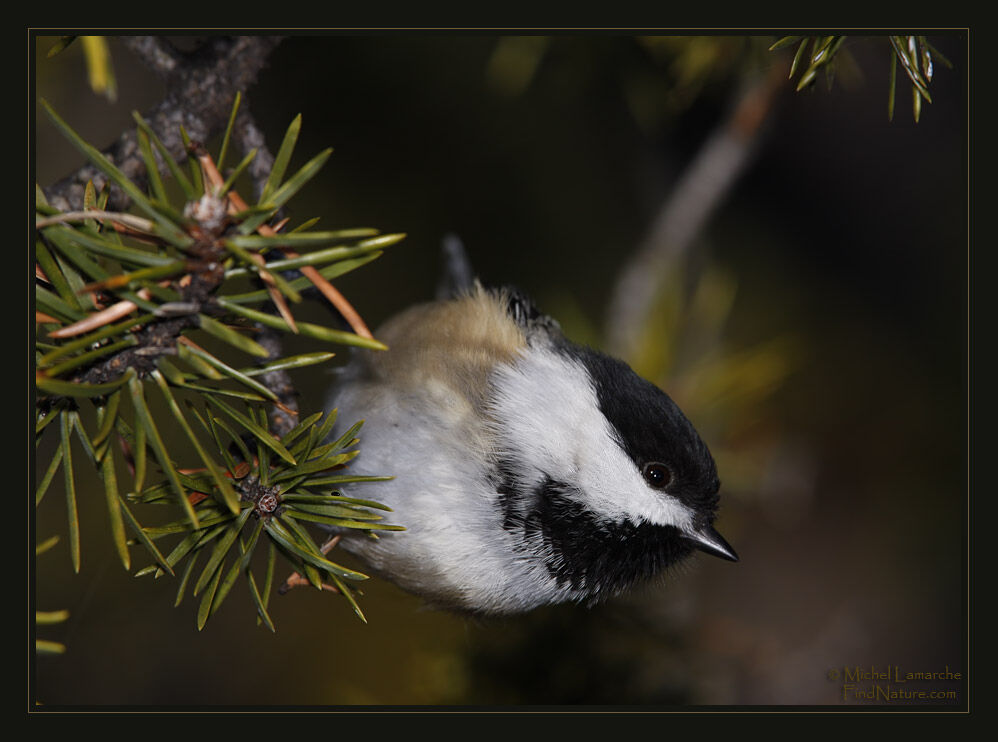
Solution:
(275, 497)
(141, 328)
(817, 54)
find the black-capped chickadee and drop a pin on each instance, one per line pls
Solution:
(528, 470)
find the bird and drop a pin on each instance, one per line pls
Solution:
(528, 470)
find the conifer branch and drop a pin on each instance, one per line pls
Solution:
(156, 53)
(200, 88)
(119, 305)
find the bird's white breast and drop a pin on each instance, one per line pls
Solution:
(422, 402)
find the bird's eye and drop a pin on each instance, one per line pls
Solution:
(657, 475)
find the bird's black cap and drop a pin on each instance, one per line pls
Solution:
(650, 427)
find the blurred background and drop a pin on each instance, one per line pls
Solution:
(813, 327)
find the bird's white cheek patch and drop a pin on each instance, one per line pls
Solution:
(549, 420)
(615, 487)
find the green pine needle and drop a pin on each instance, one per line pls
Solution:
(71, 511)
(178, 175)
(282, 159)
(255, 430)
(144, 420)
(113, 499)
(220, 161)
(283, 194)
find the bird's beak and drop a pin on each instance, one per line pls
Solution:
(710, 541)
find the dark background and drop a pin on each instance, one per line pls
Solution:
(847, 501)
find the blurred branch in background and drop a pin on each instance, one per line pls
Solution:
(670, 304)
(682, 215)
